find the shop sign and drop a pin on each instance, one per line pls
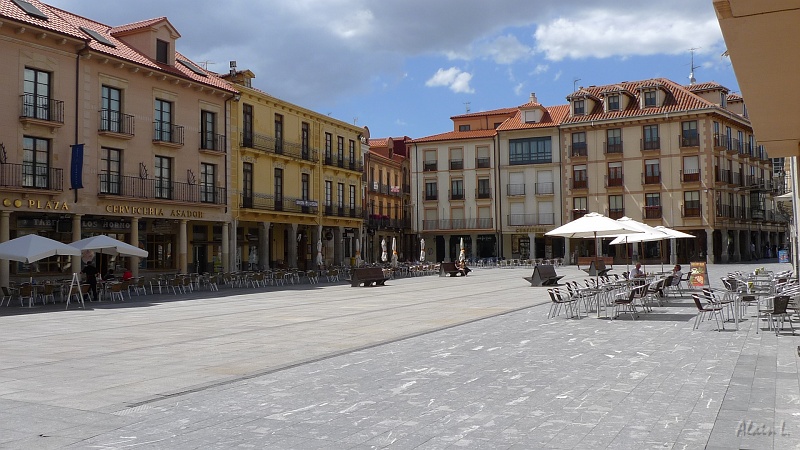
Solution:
(104, 224)
(153, 211)
(36, 204)
(532, 230)
(311, 203)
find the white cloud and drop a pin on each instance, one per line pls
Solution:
(518, 88)
(558, 75)
(540, 69)
(453, 78)
(606, 33)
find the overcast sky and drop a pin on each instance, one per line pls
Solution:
(404, 67)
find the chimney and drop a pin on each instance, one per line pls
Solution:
(533, 98)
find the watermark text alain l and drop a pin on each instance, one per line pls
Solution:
(750, 428)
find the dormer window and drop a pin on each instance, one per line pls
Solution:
(162, 51)
(613, 102)
(579, 107)
(649, 98)
(723, 99)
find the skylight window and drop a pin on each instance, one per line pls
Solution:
(191, 66)
(97, 37)
(30, 9)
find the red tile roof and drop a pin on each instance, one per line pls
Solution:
(707, 86)
(123, 29)
(67, 23)
(493, 112)
(677, 98)
(552, 118)
(378, 142)
(457, 135)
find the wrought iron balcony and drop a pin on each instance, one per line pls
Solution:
(456, 164)
(115, 122)
(545, 188)
(521, 220)
(616, 213)
(690, 176)
(165, 132)
(691, 209)
(481, 194)
(268, 202)
(725, 211)
(689, 139)
(578, 149)
(342, 211)
(482, 163)
(429, 166)
(213, 142)
(578, 213)
(28, 176)
(615, 180)
(150, 188)
(458, 224)
(650, 144)
(651, 179)
(270, 145)
(612, 147)
(579, 184)
(651, 212)
(41, 107)
(516, 189)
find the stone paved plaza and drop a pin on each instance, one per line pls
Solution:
(423, 363)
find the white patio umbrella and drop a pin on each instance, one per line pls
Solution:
(647, 234)
(422, 250)
(394, 252)
(592, 225)
(320, 261)
(109, 246)
(462, 255)
(674, 234)
(32, 247)
(358, 252)
(384, 256)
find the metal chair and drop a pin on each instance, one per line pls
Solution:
(116, 292)
(710, 308)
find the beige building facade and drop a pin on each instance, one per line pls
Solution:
(386, 211)
(151, 167)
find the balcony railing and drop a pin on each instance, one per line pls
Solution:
(458, 224)
(651, 144)
(429, 166)
(725, 211)
(579, 184)
(578, 213)
(613, 147)
(689, 140)
(28, 176)
(41, 107)
(482, 163)
(651, 212)
(516, 189)
(690, 176)
(578, 149)
(269, 145)
(691, 209)
(651, 179)
(268, 202)
(431, 196)
(741, 213)
(485, 193)
(545, 188)
(456, 195)
(616, 213)
(722, 175)
(213, 142)
(167, 133)
(116, 122)
(342, 211)
(149, 188)
(456, 164)
(615, 181)
(521, 220)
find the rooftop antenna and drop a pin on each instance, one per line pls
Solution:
(575, 83)
(466, 106)
(692, 79)
(205, 64)
(355, 120)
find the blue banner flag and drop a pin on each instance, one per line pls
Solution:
(76, 167)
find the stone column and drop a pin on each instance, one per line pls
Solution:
(568, 253)
(338, 246)
(724, 257)
(183, 261)
(292, 263)
(226, 252)
(234, 246)
(5, 233)
(263, 245)
(314, 237)
(76, 236)
(446, 256)
(532, 238)
(474, 252)
(710, 246)
(737, 254)
(134, 260)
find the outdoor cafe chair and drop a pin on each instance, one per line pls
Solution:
(713, 298)
(779, 310)
(704, 310)
(26, 292)
(8, 294)
(49, 292)
(176, 284)
(557, 301)
(116, 292)
(139, 287)
(626, 301)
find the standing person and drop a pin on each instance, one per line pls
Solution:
(91, 278)
(753, 251)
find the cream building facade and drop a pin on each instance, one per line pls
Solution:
(296, 183)
(151, 169)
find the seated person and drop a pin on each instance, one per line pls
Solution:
(637, 271)
(462, 267)
(127, 275)
(109, 275)
(677, 274)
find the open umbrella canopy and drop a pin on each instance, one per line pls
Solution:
(647, 233)
(394, 251)
(109, 246)
(592, 225)
(320, 261)
(673, 233)
(422, 250)
(384, 256)
(32, 247)
(462, 255)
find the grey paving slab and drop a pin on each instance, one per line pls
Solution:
(421, 363)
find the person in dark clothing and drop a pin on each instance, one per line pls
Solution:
(91, 279)
(109, 275)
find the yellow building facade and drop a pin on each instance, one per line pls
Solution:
(295, 182)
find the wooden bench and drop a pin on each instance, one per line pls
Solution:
(367, 276)
(597, 268)
(450, 268)
(543, 275)
(587, 260)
